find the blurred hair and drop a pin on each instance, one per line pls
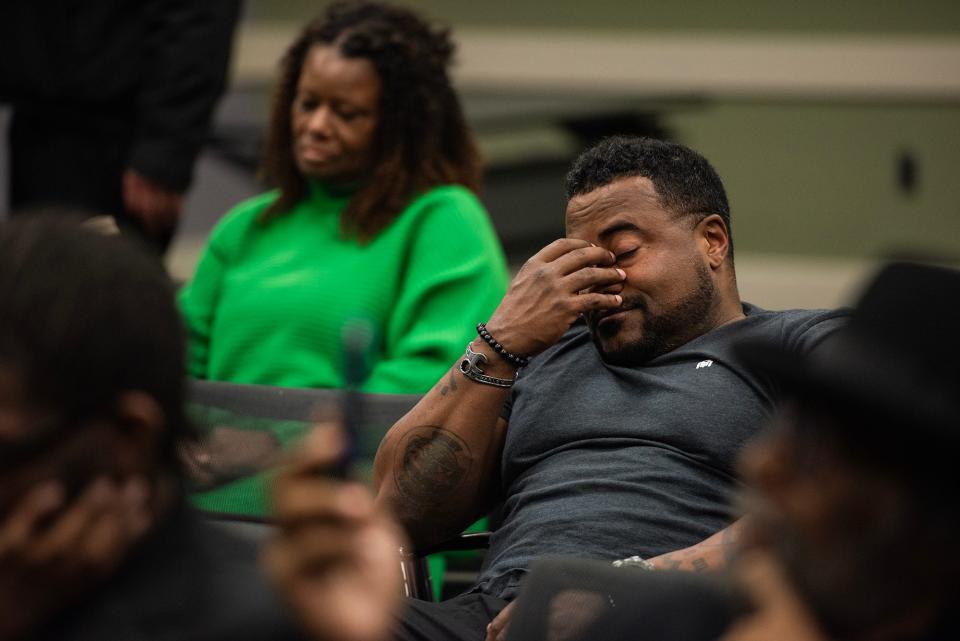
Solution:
(686, 183)
(86, 317)
(422, 139)
(895, 515)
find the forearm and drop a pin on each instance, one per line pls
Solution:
(436, 469)
(713, 553)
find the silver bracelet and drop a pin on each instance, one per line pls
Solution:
(634, 562)
(470, 367)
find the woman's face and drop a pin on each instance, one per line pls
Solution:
(334, 115)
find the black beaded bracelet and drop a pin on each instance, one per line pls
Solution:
(513, 359)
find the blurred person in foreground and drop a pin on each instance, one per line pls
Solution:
(96, 539)
(112, 101)
(335, 555)
(852, 511)
(375, 218)
(619, 435)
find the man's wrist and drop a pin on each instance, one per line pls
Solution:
(495, 365)
(634, 562)
(473, 366)
(516, 360)
(508, 338)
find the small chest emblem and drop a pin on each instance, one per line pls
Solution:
(703, 364)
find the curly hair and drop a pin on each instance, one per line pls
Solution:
(422, 138)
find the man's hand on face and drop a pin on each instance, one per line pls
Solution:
(157, 208)
(336, 556)
(52, 552)
(563, 280)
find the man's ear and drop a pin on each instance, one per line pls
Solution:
(141, 425)
(714, 239)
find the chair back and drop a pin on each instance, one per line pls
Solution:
(244, 430)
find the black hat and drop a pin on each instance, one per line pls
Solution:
(898, 357)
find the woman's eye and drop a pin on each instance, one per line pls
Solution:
(623, 255)
(308, 105)
(347, 114)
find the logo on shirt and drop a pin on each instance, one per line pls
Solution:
(703, 364)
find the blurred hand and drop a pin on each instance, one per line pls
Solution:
(551, 290)
(497, 629)
(51, 553)
(157, 208)
(227, 454)
(779, 613)
(336, 557)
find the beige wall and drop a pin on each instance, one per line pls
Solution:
(822, 179)
(804, 108)
(856, 16)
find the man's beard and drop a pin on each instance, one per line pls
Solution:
(681, 323)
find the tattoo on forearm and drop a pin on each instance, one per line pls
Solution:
(687, 559)
(431, 465)
(452, 386)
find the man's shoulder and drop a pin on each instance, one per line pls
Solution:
(793, 315)
(795, 329)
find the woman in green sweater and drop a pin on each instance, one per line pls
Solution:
(375, 217)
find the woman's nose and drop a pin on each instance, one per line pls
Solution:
(319, 121)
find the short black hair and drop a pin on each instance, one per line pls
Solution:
(686, 183)
(85, 317)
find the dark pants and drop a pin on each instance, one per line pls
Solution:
(462, 618)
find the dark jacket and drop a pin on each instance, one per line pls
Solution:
(191, 580)
(147, 72)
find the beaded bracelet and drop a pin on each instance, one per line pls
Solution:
(513, 359)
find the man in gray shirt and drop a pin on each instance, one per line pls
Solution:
(619, 438)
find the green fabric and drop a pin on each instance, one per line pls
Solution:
(269, 300)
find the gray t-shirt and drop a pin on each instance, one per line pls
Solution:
(605, 462)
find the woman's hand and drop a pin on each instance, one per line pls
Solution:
(780, 613)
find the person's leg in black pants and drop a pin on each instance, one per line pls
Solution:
(462, 618)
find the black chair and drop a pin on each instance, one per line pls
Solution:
(420, 582)
(244, 429)
(582, 600)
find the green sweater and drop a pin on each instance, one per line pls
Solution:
(269, 301)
